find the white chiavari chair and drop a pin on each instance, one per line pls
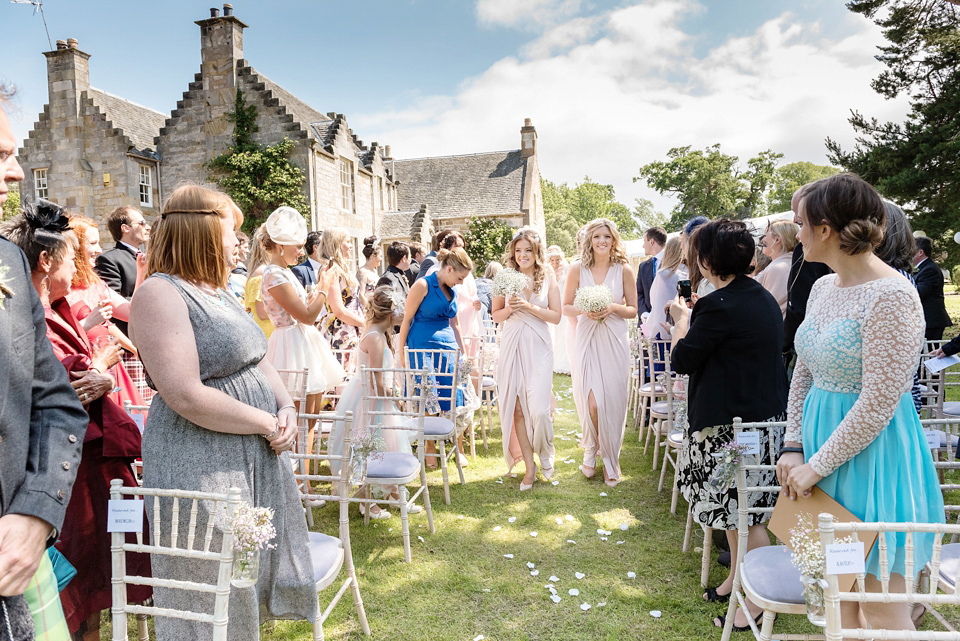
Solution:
(164, 541)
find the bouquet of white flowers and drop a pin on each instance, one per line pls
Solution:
(509, 282)
(252, 530)
(593, 299)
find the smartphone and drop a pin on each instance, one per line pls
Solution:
(683, 288)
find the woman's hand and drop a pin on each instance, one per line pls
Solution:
(937, 353)
(516, 303)
(601, 315)
(91, 385)
(100, 314)
(107, 356)
(678, 309)
(694, 297)
(287, 435)
(477, 305)
(785, 465)
(325, 278)
(799, 480)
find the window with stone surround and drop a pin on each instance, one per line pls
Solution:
(40, 183)
(146, 186)
(380, 190)
(346, 185)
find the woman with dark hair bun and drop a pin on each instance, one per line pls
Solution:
(730, 347)
(852, 429)
(367, 275)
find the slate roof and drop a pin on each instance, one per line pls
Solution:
(470, 185)
(141, 124)
(301, 111)
(397, 224)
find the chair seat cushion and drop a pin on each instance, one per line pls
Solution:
(437, 426)
(949, 563)
(951, 408)
(659, 389)
(392, 465)
(326, 553)
(488, 382)
(675, 438)
(660, 407)
(772, 575)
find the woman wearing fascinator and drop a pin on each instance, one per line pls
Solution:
(367, 275)
(385, 308)
(112, 440)
(525, 368)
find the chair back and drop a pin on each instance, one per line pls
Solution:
(915, 534)
(443, 375)
(393, 401)
(195, 548)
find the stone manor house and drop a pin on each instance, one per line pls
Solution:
(92, 151)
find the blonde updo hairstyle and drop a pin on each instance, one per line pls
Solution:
(851, 207)
(455, 258)
(618, 251)
(786, 231)
(539, 262)
(330, 243)
(381, 306)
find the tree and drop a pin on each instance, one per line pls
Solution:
(789, 178)
(566, 209)
(486, 239)
(12, 206)
(709, 183)
(259, 178)
(916, 163)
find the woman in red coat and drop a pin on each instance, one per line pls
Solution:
(112, 440)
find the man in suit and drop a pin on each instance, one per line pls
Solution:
(653, 241)
(118, 266)
(417, 253)
(42, 423)
(395, 275)
(306, 272)
(429, 263)
(929, 280)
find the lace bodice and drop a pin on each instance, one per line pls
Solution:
(864, 340)
(274, 276)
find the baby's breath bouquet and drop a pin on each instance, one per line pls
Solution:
(808, 557)
(593, 299)
(364, 448)
(510, 282)
(725, 473)
(252, 531)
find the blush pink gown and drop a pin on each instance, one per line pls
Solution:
(602, 365)
(525, 372)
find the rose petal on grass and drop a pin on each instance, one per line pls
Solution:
(559, 521)
(533, 534)
(479, 637)
(584, 606)
(554, 482)
(554, 578)
(573, 592)
(603, 538)
(508, 556)
(579, 575)
(499, 481)
(631, 575)
(555, 598)
(603, 493)
(534, 572)
(460, 516)
(656, 614)
(568, 517)
(601, 604)
(620, 542)
(570, 541)
(531, 565)
(624, 527)
(497, 528)
(421, 538)
(511, 519)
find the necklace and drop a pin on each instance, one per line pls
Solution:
(217, 300)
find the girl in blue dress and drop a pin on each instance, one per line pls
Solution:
(852, 429)
(430, 320)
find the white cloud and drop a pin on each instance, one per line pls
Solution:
(524, 13)
(614, 91)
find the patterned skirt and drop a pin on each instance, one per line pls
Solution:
(696, 465)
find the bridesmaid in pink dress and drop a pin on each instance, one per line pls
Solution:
(602, 363)
(525, 368)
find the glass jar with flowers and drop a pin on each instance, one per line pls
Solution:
(252, 531)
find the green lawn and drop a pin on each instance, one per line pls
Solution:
(461, 586)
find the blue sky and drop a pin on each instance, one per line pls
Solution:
(610, 85)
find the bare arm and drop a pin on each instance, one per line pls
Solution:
(416, 295)
(629, 307)
(336, 306)
(570, 292)
(500, 309)
(306, 313)
(160, 327)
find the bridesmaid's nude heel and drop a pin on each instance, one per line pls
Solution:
(523, 486)
(591, 469)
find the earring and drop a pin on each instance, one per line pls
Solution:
(45, 283)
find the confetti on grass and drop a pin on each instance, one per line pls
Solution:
(631, 575)
(584, 606)
(656, 614)
(508, 556)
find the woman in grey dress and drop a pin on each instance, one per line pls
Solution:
(215, 422)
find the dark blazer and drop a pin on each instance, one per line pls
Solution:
(644, 281)
(412, 272)
(803, 274)
(732, 354)
(428, 263)
(42, 424)
(118, 269)
(305, 274)
(395, 278)
(929, 280)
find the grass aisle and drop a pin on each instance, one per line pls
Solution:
(460, 585)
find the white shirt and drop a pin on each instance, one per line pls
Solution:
(662, 291)
(317, 265)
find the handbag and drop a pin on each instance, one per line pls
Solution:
(63, 570)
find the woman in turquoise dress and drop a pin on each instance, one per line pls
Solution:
(851, 425)
(430, 321)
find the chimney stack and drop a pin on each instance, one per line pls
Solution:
(528, 139)
(227, 10)
(221, 47)
(387, 152)
(68, 76)
(214, 12)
